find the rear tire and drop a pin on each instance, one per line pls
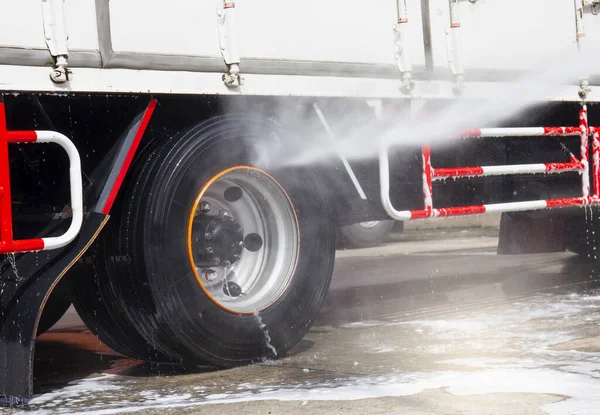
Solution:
(155, 257)
(97, 299)
(366, 234)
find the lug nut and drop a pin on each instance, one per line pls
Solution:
(205, 207)
(210, 275)
(224, 213)
(207, 236)
(232, 289)
(209, 250)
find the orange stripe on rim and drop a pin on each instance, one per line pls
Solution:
(191, 223)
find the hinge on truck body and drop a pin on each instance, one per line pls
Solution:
(594, 3)
(56, 36)
(229, 44)
(401, 52)
(584, 78)
(453, 45)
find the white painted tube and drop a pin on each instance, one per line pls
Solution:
(76, 187)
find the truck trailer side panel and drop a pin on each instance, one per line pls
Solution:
(494, 41)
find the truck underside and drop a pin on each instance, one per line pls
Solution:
(40, 186)
(192, 142)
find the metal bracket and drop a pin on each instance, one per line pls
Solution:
(594, 3)
(57, 38)
(584, 81)
(453, 44)
(595, 6)
(401, 53)
(229, 44)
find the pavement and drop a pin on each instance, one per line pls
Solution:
(432, 322)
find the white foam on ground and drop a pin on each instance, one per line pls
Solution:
(78, 389)
(582, 391)
(383, 349)
(362, 324)
(527, 330)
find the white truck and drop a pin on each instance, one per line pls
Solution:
(186, 122)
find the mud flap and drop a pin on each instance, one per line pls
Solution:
(24, 290)
(523, 234)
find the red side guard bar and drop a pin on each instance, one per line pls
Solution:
(430, 173)
(7, 243)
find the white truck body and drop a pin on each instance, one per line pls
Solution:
(231, 215)
(309, 47)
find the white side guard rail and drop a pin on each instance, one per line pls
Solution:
(430, 174)
(75, 185)
(7, 243)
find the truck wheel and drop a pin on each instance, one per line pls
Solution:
(365, 234)
(213, 258)
(97, 302)
(97, 299)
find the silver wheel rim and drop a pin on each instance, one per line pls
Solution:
(263, 209)
(368, 224)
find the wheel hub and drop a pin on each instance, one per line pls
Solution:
(243, 240)
(217, 240)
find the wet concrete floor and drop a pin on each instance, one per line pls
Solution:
(429, 323)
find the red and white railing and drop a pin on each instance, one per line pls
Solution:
(7, 243)
(431, 174)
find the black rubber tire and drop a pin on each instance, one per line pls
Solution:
(96, 298)
(357, 236)
(153, 289)
(57, 305)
